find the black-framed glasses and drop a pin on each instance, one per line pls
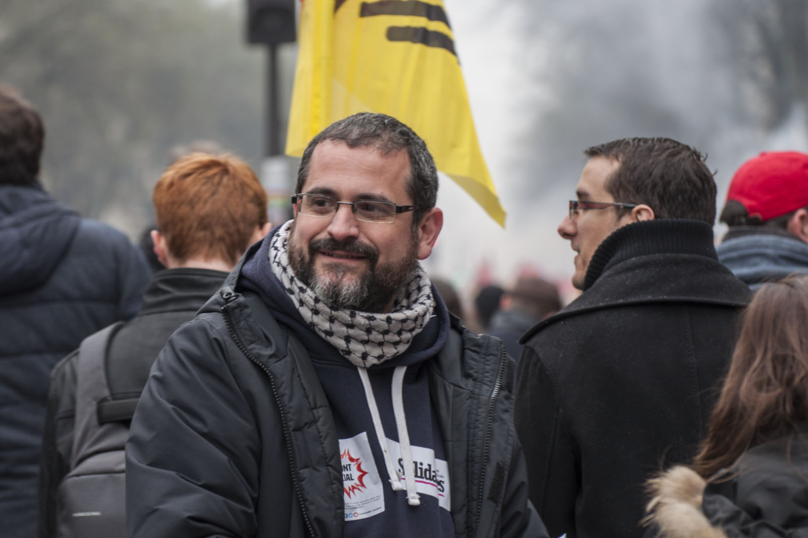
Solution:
(320, 205)
(579, 205)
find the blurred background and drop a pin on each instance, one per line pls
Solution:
(121, 82)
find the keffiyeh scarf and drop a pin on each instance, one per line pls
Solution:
(364, 338)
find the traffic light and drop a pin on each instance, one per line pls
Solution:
(271, 21)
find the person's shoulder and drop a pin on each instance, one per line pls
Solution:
(784, 455)
(200, 344)
(552, 328)
(93, 234)
(481, 343)
(474, 354)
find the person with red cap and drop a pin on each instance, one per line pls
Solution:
(767, 215)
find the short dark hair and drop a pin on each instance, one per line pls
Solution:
(387, 135)
(735, 214)
(668, 176)
(22, 135)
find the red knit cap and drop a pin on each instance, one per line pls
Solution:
(772, 184)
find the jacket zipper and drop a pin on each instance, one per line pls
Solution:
(489, 426)
(287, 436)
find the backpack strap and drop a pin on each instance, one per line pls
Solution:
(90, 435)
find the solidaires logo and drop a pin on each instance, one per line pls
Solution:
(353, 475)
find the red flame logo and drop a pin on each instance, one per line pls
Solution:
(359, 481)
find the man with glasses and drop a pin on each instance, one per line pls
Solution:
(620, 381)
(324, 390)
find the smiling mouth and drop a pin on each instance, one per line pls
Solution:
(342, 255)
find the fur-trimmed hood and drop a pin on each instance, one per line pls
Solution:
(675, 507)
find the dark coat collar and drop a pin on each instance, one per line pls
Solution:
(181, 289)
(666, 260)
(663, 236)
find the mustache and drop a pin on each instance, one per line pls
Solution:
(351, 246)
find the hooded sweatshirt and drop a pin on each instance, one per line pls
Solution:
(373, 505)
(62, 278)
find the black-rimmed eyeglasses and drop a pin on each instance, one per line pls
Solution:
(320, 205)
(580, 205)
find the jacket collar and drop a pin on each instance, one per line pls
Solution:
(662, 236)
(181, 289)
(651, 262)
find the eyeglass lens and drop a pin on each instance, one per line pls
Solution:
(365, 210)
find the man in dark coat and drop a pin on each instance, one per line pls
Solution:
(325, 390)
(767, 215)
(622, 380)
(209, 209)
(61, 278)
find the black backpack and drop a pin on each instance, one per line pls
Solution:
(91, 499)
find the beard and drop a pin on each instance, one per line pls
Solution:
(340, 287)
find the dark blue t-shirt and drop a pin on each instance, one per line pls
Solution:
(372, 507)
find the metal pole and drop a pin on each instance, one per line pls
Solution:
(275, 168)
(273, 120)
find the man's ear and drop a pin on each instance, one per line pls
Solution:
(642, 212)
(160, 248)
(428, 231)
(798, 224)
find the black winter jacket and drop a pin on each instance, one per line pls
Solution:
(171, 299)
(233, 436)
(764, 496)
(767, 494)
(622, 379)
(61, 279)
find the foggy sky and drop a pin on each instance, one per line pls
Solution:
(548, 78)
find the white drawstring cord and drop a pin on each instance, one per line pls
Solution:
(403, 435)
(395, 476)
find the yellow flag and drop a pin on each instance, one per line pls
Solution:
(396, 57)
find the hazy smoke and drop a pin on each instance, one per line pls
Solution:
(548, 78)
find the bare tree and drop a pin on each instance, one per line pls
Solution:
(119, 82)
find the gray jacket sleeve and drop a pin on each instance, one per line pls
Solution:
(193, 450)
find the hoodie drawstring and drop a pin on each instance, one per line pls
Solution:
(403, 435)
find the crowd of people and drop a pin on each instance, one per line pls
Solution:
(311, 379)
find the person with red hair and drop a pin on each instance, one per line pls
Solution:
(209, 209)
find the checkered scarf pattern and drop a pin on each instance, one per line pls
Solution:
(364, 338)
